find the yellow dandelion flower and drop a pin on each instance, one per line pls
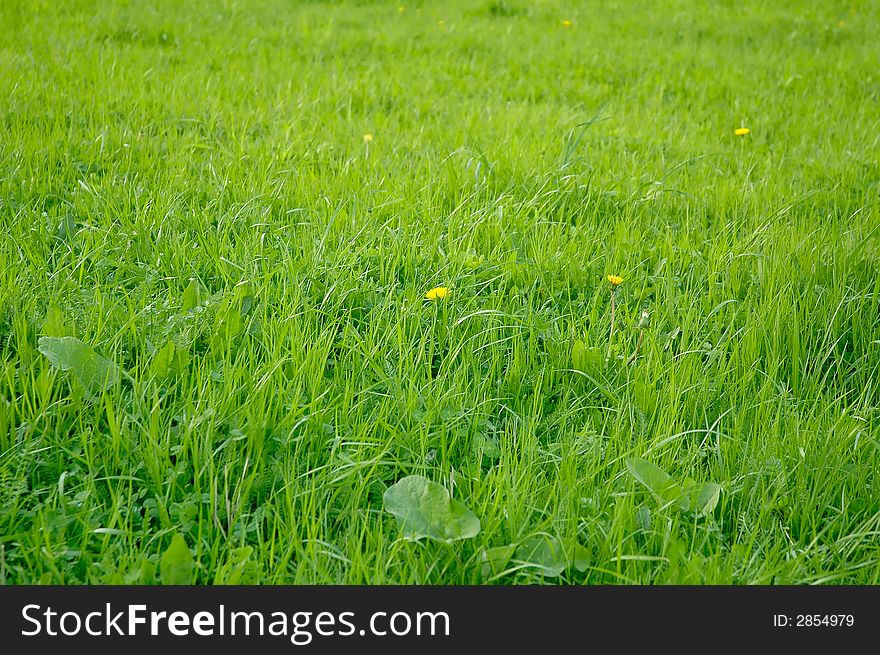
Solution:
(566, 23)
(615, 280)
(437, 293)
(400, 9)
(368, 138)
(741, 131)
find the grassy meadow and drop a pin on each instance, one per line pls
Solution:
(221, 219)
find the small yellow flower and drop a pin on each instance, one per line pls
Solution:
(438, 292)
(400, 9)
(440, 23)
(566, 23)
(615, 280)
(741, 131)
(368, 138)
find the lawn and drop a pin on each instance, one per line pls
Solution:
(221, 220)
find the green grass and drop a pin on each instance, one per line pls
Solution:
(517, 161)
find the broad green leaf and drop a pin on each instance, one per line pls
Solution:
(244, 297)
(54, 324)
(584, 359)
(704, 497)
(231, 320)
(578, 350)
(543, 552)
(643, 517)
(424, 509)
(578, 556)
(144, 572)
(486, 446)
(494, 561)
(661, 485)
(95, 373)
(699, 498)
(148, 572)
(238, 569)
(192, 296)
(177, 566)
(168, 360)
(163, 360)
(589, 363)
(645, 395)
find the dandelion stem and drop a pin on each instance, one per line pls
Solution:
(632, 358)
(611, 331)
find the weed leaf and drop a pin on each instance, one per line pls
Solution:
(177, 566)
(584, 359)
(192, 296)
(425, 509)
(168, 360)
(95, 373)
(545, 553)
(54, 324)
(578, 556)
(239, 568)
(661, 485)
(700, 499)
(704, 497)
(495, 560)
